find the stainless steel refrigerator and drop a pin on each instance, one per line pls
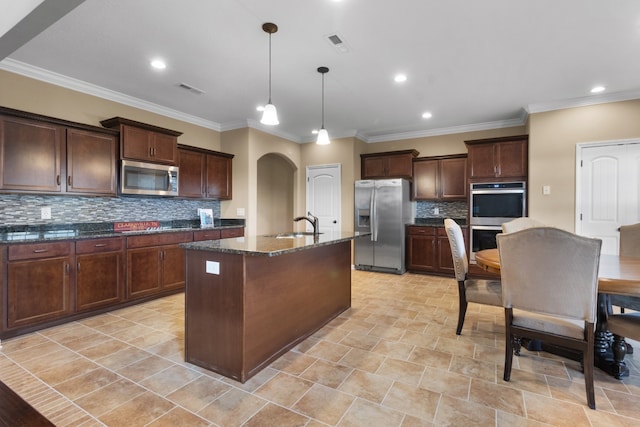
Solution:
(382, 207)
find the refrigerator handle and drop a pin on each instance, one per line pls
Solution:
(373, 217)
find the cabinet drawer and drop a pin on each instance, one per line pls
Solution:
(159, 239)
(231, 232)
(421, 231)
(206, 235)
(39, 250)
(99, 245)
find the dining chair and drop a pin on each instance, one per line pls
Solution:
(520, 224)
(549, 292)
(479, 291)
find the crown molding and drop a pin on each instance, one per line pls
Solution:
(583, 101)
(46, 76)
(519, 121)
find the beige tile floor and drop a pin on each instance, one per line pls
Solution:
(393, 359)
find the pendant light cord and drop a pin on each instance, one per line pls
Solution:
(323, 100)
(269, 68)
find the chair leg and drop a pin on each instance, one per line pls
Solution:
(508, 347)
(517, 345)
(588, 361)
(462, 306)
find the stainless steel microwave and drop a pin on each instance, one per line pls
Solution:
(148, 179)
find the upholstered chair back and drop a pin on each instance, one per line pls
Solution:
(550, 271)
(458, 251)
(520, 224)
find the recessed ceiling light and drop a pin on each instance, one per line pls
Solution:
(399, 78)
(315, 131)
(597, 89)
(260, 108)
(426, 115)
(158, 64)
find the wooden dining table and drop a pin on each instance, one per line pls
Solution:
(619, 278)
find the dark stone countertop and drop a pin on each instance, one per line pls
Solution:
(437, 222)
(77, 231)
(272, 245)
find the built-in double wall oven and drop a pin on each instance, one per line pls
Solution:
(490, 205)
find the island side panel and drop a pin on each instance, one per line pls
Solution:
(214, 312)
(289, 297)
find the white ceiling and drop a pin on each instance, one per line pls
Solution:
(472, 64)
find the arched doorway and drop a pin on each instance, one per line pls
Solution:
(275, 188)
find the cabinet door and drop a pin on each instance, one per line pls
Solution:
(482, 161)
(91, 163)
(37, 291)
(421, 248)
(192, 170)
(31, 155)
(453, 179)
(373, 167)
(512, 159)
(164, 148)
(135, 143)
(400, 166)
(425, 180)
(98, 280)
(173, 272)
(219, 177)
(143, 271)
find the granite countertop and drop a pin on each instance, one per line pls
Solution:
(437, 222)
(271, 245)
(77, 231)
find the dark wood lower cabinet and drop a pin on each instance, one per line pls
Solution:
(47, 283)
(155, 263)
(38, 283)
(428, 250)
(99, 273)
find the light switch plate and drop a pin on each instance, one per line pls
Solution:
(546, 190)
(45, 213)
(240, 211)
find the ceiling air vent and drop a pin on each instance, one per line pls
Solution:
(337, 43)
(190, 88)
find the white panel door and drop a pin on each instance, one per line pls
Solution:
(323, 196)
(608, 191)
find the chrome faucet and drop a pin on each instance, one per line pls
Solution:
(312, 219)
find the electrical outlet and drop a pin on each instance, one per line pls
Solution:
(240, 212)
(45, 213)
(546, 190)
(436, 211)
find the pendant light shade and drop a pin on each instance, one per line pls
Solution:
(269, 115)
(323, 135)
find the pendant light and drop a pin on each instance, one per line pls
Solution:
(269, 115)
(323, 135)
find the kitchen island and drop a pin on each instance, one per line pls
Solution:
(249, 300)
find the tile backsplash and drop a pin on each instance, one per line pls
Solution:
(26, 209)
(457, 209)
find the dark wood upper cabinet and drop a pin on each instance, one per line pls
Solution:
(440, 178)
(43, 155)
(391, 164)
(144, 142)
(192, 166)
(91, 162)
(205, 174)
(498, 159)
(32, 153)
